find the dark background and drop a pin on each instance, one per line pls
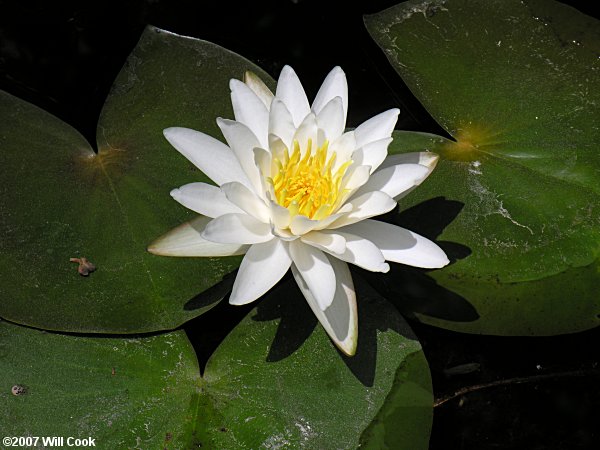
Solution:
(525, 393)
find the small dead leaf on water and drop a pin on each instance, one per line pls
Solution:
(85, 266)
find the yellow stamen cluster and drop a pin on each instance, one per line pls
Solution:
(306, 184)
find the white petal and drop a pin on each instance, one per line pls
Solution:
(378, 127)
(427, 159)
(242, 141)
(307, 131)
(250, 110)
(212, 157)
(330, 242)
(343, 147)
(186, 240)
(365, 206)
(280, 215)
(262, 267)
(204, 199)
(400, 245)
(372, 154)
(355, 177)
(340, 319)
(361, 252)
(395, 180)
(257, 85)
(316, 271)
(300, 225)
(237, 229)
(334, 85)
(247, 201)
(262, 159)
(281, 123)
(291, 92)
(331, 120)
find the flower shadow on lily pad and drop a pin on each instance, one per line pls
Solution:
(297, 323)
(411, 289)
(212, 295)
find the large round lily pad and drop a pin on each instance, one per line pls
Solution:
(61, 200)
(516, 197)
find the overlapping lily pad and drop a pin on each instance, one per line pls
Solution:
(516, 196)
(61, 200)
(276, 381)
(124, 393)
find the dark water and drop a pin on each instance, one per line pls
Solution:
(526, 393)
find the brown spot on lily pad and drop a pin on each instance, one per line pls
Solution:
(85, 266)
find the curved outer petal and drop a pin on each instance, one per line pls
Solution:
(242, 142)
(330, 242)
(262, 267)
(377, 127)
(204, 199)
(331, 121)
(361, 252)
(291, 92)
(334, 85)
(212, 157)
(186, 240)
(237, 228)
(395, 180)
(281, 123)
(250, 110)
(425, 159)
(257, 85)
(340, 319)
(372, 154)
(400, 245)
(365, 206)
(246, 200)
(316, 272)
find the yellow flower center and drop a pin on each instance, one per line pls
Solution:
(308, 186)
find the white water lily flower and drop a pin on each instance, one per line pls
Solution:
(295, 190)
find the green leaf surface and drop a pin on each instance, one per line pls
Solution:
(62, 200)
(131, 393)
(516, 195)
(276, 381)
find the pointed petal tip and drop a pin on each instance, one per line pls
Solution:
(152, 249)
(156, 247)
(348, 347)
(169, 132)
(239, 301)
(430, 160)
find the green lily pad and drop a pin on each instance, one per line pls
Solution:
(276, 381)
(61, 200)
(124, 393)
(516, 196)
